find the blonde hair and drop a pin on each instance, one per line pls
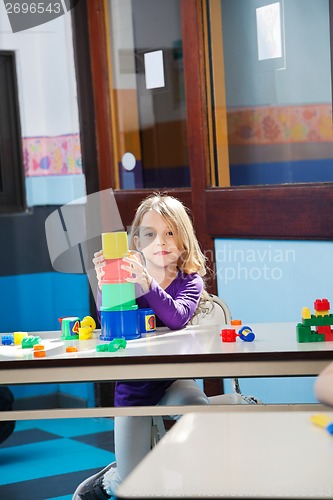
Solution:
(176, 216)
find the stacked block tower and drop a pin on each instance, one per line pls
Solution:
(119, 311)
(321, 320)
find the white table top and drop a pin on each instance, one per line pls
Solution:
(237, 455)
(195, 351)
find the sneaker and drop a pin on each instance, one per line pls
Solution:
(92, 487)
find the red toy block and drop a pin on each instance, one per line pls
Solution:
(328, 336)
(321, 305)
(324, 329)
(113, 273)
(228, 335)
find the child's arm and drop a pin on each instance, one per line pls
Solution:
(176, 311)
(324, 385)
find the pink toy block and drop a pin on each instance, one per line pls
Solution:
(113, 271)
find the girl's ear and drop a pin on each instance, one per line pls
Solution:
(136, 241)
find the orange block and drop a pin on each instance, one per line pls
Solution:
(39, 354)
(71, 348)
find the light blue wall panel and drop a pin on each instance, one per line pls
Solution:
(270, 281)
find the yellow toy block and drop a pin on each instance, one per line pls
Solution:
(85, 333)
(306, 313)
(88, 322)
(19, 336)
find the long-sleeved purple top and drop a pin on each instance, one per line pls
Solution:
(173, 308)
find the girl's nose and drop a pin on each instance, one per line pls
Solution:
(160, 240)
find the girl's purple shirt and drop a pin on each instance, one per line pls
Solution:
(173, 307)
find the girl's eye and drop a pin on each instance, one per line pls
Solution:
(170, 233)
(149, 235)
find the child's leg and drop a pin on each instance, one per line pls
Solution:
(184, 392)
(132, 443)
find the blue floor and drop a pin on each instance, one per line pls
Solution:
(47, 459)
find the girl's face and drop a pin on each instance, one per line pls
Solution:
(157, 242)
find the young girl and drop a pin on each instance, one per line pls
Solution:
(324, 386)
(170, 282)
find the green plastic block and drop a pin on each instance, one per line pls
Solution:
(117, 344)
(318, 320)
(102, 348)
(305, 334)
(113, 346)
(30, 341)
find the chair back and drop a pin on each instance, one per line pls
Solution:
(216, 312)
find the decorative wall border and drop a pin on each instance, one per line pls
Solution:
(56, 155)
(280, 125)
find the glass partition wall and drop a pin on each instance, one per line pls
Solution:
(148, 95)
(271, 85)
(199, 98)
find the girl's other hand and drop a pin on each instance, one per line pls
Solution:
(99, 263)
(137, 270)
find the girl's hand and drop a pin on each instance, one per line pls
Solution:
(99, 263)
(138, 272)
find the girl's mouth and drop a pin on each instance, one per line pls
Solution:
(164, 252)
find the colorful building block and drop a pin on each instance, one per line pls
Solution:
(306, 313)
(71, 348)
(113, 272)
(85, 333)
(70, 328)
(228, 335)
(38, 347)
(328, 337)
(318, 320)
(305, 334)
(115, 345)
(115, 245)
(321, 307)
(7, 339)
(30, 341)
(245, 333)
(88, 321)
(19, 336)
(39, 353)
(321, 320)
(120, 315)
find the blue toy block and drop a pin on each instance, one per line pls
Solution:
(7, 339)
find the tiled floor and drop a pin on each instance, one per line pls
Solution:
(47, 459)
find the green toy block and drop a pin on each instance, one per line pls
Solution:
(326, 320)
(117, 344)
(305, 334)
(30, 341)
(113, 346)
(102, 348)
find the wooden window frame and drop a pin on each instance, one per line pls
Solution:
(12, 194)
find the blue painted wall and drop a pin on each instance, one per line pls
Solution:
(270, 281)
(34, 302)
